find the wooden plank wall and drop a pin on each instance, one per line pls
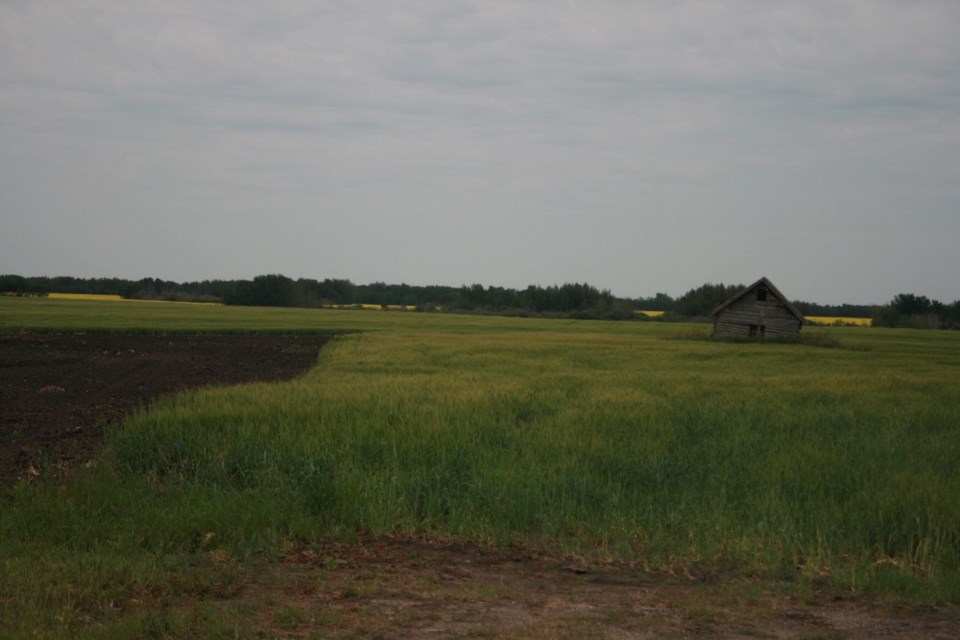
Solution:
(735, 320)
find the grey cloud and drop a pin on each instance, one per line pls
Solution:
(621, 143)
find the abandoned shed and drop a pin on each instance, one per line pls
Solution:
(759, 311)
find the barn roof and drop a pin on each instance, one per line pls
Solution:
(770, 288)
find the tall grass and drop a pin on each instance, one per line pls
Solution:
(587, 439)
(776, 459)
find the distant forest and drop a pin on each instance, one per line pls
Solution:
(567, 300)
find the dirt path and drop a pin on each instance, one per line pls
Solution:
(421, 589)
(56, 392)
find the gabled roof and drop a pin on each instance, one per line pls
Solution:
(770, 288)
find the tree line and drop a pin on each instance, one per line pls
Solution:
(578, 300)
(571, 298)
(277, 290)
(918, 312)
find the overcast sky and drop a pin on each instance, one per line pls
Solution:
(638, 146)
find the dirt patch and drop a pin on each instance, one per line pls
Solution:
(390, 587)
(57, 391)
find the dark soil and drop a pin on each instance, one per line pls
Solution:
(58, 391)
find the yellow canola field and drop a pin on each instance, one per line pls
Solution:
(84, 296)
(113, 298)
(651, 314)
(840, 321)
(375, 307)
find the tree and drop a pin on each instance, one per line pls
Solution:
(10, 283)
(906, 304)
(273, 290)
(915, 312)
(701, 301)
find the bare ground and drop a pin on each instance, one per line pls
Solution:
(57, 392)
(385, 587)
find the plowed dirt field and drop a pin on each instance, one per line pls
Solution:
(57, 391)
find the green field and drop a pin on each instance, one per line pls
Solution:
(641, 441)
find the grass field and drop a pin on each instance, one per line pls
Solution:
(633, 440)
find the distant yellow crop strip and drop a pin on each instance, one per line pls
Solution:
(114, 298)
(832, 321)
(840, 321)
(84, 296)
(374, 307)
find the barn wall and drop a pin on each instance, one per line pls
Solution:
(735, 319)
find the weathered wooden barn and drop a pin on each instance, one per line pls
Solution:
(759, 311)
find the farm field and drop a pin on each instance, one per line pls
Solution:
(58, 391)
(523, 478)
(839, 321)
(87, 297)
